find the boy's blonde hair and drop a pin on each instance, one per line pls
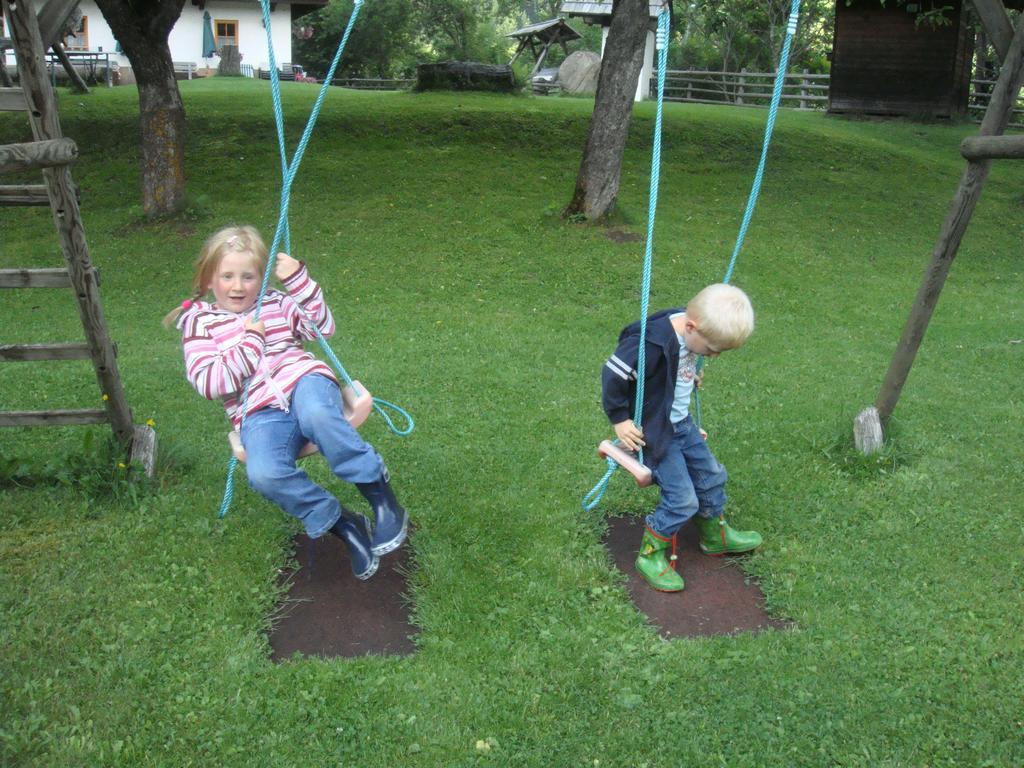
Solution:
(217, 246)
(724, 315)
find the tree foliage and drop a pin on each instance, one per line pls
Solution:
(394, 35)
(380, 45)
(730, 35)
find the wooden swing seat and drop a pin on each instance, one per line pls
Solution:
(627, 460)
(356, 408)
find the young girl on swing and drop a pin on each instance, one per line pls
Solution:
(293, 397)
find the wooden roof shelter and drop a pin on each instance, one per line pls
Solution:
(600, 11)
(546, 34)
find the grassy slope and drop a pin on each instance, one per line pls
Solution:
(132, 630)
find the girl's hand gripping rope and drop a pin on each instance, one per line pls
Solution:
(285, 266)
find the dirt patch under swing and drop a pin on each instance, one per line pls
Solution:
(719, 598)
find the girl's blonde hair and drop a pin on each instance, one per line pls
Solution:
(217, 246)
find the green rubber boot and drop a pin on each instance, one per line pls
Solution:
(718, 538)
(658, 570)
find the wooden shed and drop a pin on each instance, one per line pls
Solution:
(883, 63)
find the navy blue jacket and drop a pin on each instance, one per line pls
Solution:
(618, 381)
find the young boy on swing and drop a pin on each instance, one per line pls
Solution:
(692, 482)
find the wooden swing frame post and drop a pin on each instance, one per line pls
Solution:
(979, 151)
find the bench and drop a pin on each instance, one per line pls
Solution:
(186, 68)
(287, 72)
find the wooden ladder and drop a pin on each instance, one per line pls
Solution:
(52, 153)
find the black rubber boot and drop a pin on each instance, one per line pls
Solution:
(354, 530)
(390, 521)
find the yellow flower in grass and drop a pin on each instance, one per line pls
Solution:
(150, 423)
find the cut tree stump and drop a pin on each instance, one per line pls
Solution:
(465, 76)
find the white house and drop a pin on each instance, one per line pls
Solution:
(234, 22)
(600, 12)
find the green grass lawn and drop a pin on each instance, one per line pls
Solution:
(133, 623)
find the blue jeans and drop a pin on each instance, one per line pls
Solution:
(691, 480)
(273, 439)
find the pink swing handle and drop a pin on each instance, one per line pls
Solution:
(627, 460)
(356, 404)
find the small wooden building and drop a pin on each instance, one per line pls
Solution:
(883, 63)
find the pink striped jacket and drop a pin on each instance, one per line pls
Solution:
(220, 354)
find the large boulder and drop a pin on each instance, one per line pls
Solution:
(579, 71)
(465, 76)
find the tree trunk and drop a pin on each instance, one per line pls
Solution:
(597, 184)
(142, 28)
(162, 123)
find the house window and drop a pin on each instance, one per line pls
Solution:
(79, 39)
(226, 33)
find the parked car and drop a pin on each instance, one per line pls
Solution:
(544, 81)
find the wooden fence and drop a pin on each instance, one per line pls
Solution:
(800, 90)
(373, 83)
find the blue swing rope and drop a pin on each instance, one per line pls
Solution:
(283, 232)
(755, 190)
(594, 496)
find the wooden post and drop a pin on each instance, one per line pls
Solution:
(997, 116)
(992, 148)
(740, 89)
(540, 60)
(803, 91)
(519, 49)
(78, 85)
(144, 449)
(997, 25)
(34, 278)
(33, 155)
(66, 215)
(52, 18)
(867, 431)
(24, 194)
